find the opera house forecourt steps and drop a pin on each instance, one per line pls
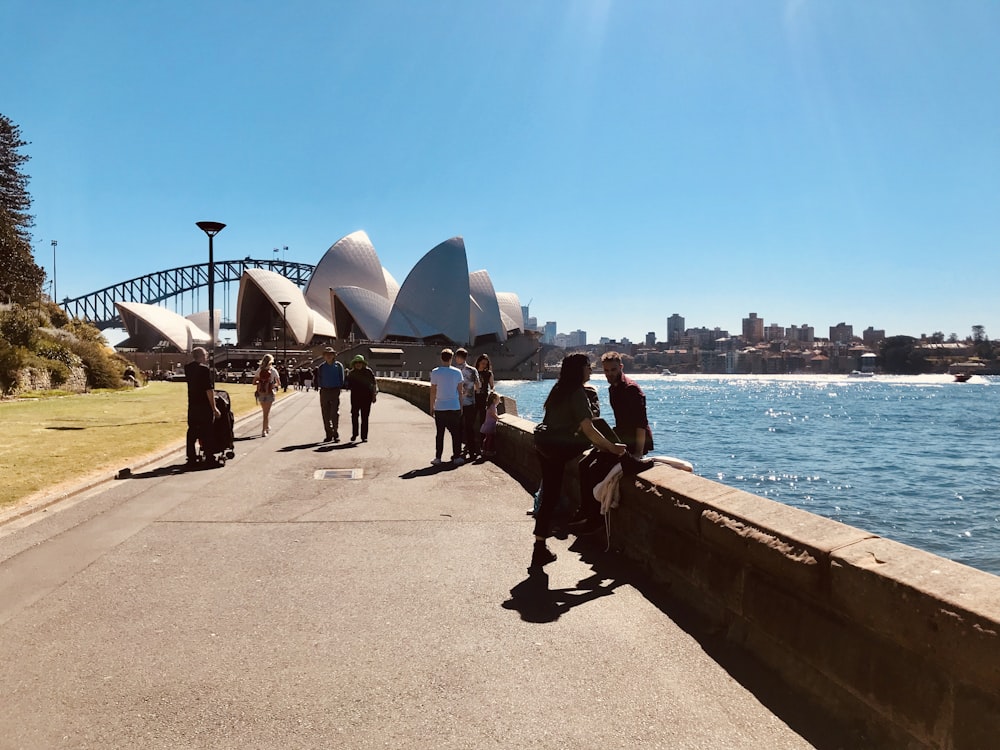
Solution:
(895, 640)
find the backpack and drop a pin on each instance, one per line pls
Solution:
(264, 382)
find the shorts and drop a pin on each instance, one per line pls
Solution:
(265, 398)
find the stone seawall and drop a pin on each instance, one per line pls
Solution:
(900, 642)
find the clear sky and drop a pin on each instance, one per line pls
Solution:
(611, 161)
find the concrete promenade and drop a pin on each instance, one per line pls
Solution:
(256, 606)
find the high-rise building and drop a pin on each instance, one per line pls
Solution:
(753, 329)
(803, 334)
(774, 332)
(651, 338)
(841, 333)
(549, 332)
(872, 337)
(675, 329)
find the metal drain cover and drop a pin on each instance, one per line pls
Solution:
(338, 474)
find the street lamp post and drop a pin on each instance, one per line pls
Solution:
(284, 330)
(54, 291)
(211, 228)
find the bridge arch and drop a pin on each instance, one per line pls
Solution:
(98, 308)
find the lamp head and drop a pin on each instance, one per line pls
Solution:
(211, 228)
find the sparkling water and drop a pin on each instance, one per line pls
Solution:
(913, 459)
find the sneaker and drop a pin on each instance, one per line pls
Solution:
(458, 460)
(436, 461)
(541, 555)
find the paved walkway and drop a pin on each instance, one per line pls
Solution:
(255, 606)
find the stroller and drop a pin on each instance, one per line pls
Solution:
(221, 444)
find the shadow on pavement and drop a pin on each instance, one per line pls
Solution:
(165, 471)
(326, 447)
(428, 471)
(536, 602)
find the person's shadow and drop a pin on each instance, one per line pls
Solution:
(536, 602)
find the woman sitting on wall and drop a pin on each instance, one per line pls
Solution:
(567, 429)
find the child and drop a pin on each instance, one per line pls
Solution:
(489, 428)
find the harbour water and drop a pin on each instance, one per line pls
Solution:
(913, 459)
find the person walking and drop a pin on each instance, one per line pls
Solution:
(446, 407)
(202, 411)
(470, 387)
(364, 389)
(267, 381)
(566, 430)
(330, 380)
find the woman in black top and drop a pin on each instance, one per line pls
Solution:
(568, 431)
(486, 387)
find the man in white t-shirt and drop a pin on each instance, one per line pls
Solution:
(446, 407)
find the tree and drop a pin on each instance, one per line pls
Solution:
(902, 356)
(20, 277)
(981, 341)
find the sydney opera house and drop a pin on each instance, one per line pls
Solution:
(354, 303)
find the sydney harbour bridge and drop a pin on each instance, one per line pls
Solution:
(98, 308)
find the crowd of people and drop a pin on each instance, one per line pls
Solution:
(464, 405)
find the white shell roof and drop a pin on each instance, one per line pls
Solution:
(510, 311)
(434, 298)
(176, 330)
(349, 285)
(369, 310)
(200, 320)
(299, 318)
(484, 310)
(350, 261)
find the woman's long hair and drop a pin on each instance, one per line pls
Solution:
(572, 375)
(265, 362)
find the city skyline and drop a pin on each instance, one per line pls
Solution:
(737, 331)
(813, 161)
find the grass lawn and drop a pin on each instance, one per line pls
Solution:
(47, 442)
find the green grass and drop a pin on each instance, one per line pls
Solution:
(48, 442)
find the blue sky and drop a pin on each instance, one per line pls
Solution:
(613, 162)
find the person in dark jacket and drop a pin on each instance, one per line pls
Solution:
(363, 388)
(202, 410)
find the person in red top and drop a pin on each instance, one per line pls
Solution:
(628, 402)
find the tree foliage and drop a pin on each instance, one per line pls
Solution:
(20, 277)
(902, 356)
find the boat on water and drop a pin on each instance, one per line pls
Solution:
(861, 374)
(963, 371)
(666, 372)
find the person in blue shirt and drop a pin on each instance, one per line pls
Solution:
(330, 374)
(446, 407)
